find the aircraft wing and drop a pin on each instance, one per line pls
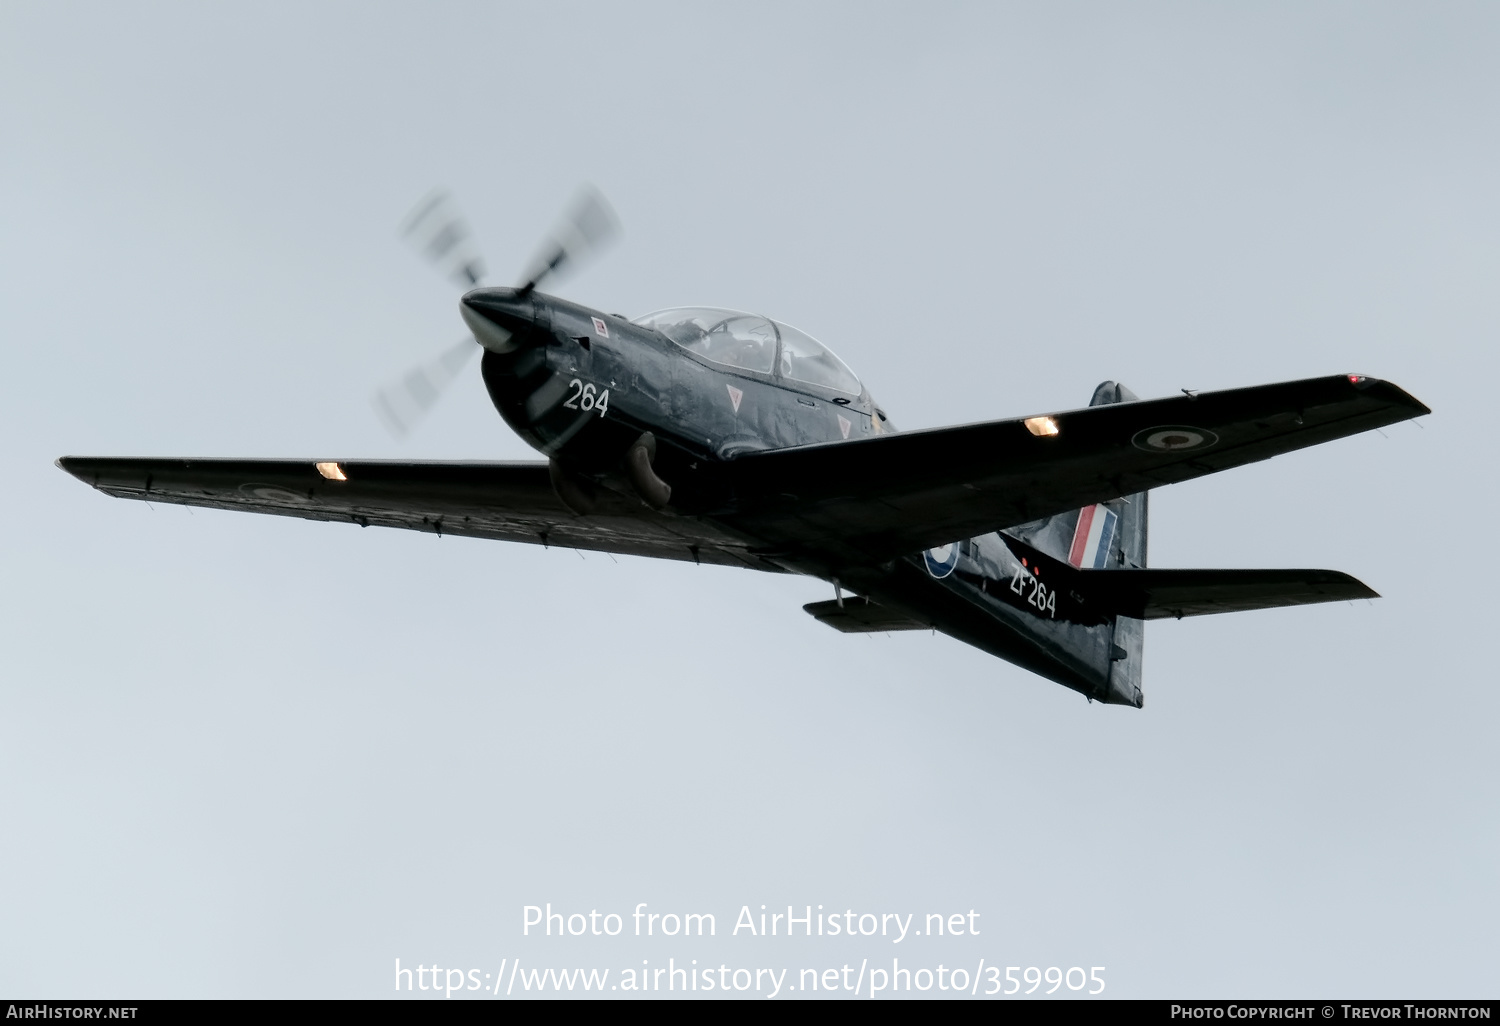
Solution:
(880, 497)
(507, 501)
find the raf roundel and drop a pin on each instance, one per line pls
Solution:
(941, 560)
(1174, 438)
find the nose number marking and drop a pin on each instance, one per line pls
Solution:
(587, 397)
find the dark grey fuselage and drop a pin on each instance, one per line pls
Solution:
(703, 415)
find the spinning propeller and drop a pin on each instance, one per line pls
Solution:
(440, 234)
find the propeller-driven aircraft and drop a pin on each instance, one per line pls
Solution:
(729, 438)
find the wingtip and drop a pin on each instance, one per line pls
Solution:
(1417, 407)
(1355, 588)
(1392, 392)
(87, 469)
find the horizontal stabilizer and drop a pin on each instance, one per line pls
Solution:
(1091, 596)
(861, 616)
(1156, 594)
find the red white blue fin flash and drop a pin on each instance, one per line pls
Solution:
(1092, 537)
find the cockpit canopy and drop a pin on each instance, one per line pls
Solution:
(753, 343)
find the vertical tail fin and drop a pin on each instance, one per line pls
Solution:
(1126, 547)
(1106, 536)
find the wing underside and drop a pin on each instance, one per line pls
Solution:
(505, 501)
(877, 498)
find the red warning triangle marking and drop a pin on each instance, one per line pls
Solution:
(735, 395)
(844, 426)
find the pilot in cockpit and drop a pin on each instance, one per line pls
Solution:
(685, 333)
(740, 345)
(750, 353)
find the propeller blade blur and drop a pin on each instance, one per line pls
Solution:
(437, 230)
(588, 227)
(403, 403)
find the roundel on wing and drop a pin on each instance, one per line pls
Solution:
(941, 560)
(1174, 438)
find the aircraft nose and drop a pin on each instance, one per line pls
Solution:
(499, 318)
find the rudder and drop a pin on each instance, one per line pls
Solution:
(1105, 536)
(1128, 550)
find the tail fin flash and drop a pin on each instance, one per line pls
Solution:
(1125, 548)
(1093, 537)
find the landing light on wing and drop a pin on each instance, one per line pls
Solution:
(331, 471)
(1042, 426)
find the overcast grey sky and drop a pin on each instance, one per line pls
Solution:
(246, 756)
